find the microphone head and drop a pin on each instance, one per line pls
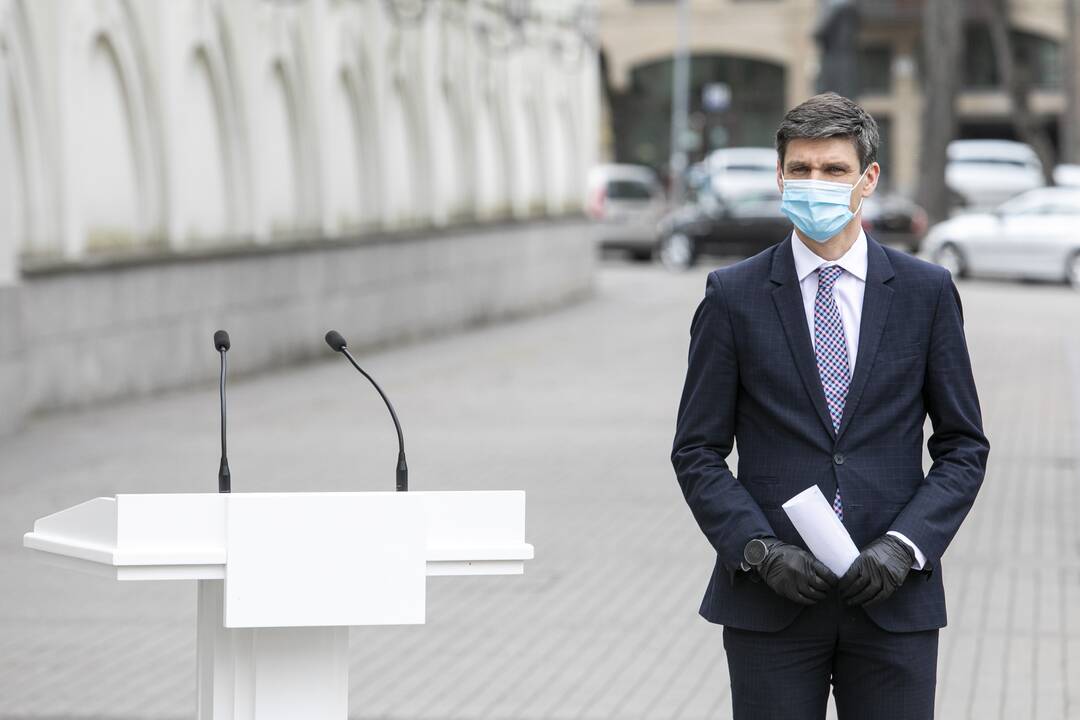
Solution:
(221, 340)
(335, 341)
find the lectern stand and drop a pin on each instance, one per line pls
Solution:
(282, 576)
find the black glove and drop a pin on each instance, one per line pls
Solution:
(794, 573)
(880, 568)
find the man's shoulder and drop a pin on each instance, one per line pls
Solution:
(915, 273)
(748, 271)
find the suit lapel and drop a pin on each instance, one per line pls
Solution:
(789, 304)
(877, 299)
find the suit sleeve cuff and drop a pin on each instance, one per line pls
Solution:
(920, 559)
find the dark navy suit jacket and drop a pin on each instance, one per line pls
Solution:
(752, 379)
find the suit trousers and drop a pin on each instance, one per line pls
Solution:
(875, 674)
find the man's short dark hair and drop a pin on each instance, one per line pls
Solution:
(829, 115)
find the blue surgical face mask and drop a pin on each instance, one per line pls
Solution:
(819, 208)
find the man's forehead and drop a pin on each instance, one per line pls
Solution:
(821, 151)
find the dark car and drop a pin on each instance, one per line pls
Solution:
(746, 223)
(710, 225)
(894, 220)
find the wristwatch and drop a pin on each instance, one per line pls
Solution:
(754, 554)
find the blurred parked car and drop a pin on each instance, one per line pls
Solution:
(741, 225)
(735, 171)
(747, 223)
(986, 173)
(893, 219)
(1034, 235)
(626, 201)
(1067, 175)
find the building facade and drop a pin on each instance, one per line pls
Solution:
(763, 51)
(197, 123)
(768, 54)
(150, 148)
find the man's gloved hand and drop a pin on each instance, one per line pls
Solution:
(880, 568)
(795, 574)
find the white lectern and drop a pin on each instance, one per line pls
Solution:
(282, 576)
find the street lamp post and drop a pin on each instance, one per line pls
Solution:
(680, 101)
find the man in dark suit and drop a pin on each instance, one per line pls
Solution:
(821, 357)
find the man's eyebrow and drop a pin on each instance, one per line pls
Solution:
(828, 165)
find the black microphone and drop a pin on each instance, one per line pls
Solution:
(337, 344)
(222, 344)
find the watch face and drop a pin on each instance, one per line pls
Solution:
(755, 552)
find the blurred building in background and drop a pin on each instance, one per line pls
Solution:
(278, 167)
(760, 57)
(762, 52)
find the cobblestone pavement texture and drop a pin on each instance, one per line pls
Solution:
(577, 408)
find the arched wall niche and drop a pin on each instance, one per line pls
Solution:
(558, 159)
(573, 190)
(237, 125)
(302, 69)
(205, 171)
(14, 215)
(369, 136)
(346, 188)
(280, 153)
(409, 200)
(535, 150)
(409, 196)
(117, 138)
(355, 192)
(495, 181)
(31, 225)
(111, 176)
(462, 174)
(458, 135)
(209, 138)
(286, 152)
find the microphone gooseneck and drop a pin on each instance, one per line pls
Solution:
(221, 342)
(337, 343)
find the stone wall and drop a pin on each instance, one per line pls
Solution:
(84, 334)
(190, 124)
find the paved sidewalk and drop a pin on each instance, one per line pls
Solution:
(577, 408)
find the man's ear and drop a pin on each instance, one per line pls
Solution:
(779, 177)
(873, 173)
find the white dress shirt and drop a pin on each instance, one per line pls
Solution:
(849, 290)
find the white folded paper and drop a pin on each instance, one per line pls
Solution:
(821, 530)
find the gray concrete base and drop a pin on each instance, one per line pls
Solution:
(99, 333)
(12, 391)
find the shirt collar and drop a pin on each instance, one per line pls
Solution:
(854, 260)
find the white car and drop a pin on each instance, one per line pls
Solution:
(626, 202)
(1035, 235)
(1067, 175)
(736, 171)
(986, 173)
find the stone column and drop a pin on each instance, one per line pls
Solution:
(906, 116)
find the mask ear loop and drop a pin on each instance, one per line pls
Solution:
(861, 198)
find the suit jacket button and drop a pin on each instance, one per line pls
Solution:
(838, 459)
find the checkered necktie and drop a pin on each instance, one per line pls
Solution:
(830, 346)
